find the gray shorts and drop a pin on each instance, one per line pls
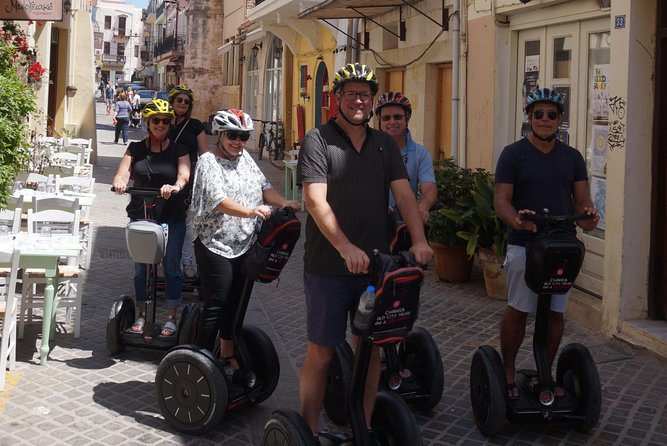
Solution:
(329, 301)
(519, 296)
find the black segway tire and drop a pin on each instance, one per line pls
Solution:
(187, 329)
(419, 353)
(487, 390)
(287, 428)
(577, 372)
(191, 390)
(339, 383)
(393, 422)
(265, 362)
(120, 319)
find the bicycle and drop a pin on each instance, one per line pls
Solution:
(271, 139)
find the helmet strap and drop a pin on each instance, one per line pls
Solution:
(363, 123)
(547, 139)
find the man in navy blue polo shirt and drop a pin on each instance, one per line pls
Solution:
(346, 170)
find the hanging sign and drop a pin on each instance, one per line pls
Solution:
(38, 10)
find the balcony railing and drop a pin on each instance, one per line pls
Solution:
(121, 32)
(160, 10)
(113, 58)
(169, 44)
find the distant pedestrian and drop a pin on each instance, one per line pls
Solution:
(121, 117)
(108, 97)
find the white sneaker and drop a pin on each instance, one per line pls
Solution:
(189, 271)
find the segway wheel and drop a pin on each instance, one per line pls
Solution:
(287, 428)
(419, 353)
(487, 390)
(339, 383)
(187, 330)
(120, 319)
(577, 372)
(393, 421)
(191, 390)
(265, 362)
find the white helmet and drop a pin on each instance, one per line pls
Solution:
(231, 119)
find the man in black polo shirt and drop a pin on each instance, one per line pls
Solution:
(346, 169)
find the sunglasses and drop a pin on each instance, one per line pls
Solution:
(386, 118)
(157, 121)
(539, 114)
(185, 101)
(233, 136)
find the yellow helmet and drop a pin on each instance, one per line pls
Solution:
(355, 72)
(180, 89)
(158, 107)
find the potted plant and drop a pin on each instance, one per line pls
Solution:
(454, 185)
(487, 235)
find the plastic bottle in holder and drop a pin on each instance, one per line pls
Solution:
(365, 309)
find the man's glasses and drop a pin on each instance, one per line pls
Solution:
(185, 101)
(365, 96)
(243, 136)
(539, 114)
(157, 121)
(386, 118)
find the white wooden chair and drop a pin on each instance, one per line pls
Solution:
(12, 219)
(76, 184)
(83, 185)
(68, 294)
(9, 258)
(66, 159)
(32, 178)
(80, 145)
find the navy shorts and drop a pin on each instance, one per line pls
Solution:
(329, 301)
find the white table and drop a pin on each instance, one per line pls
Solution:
(38, 251)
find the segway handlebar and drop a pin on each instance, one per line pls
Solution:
(556, 218)
(143, 191)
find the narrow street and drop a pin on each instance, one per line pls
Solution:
(83, 396)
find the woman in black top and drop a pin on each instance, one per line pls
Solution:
(189, 132)
(158, 162)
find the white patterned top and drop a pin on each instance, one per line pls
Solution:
(217, 179)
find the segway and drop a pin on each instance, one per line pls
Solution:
(194, 386)
(418, 353)
(553, 262)
(147, 243)
(389, 320)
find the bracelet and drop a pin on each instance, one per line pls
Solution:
(178, 186)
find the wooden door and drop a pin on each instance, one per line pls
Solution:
(394, 80)
(443, 133)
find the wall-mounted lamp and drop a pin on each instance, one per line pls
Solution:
(255, 49)
(320, 58)
(67, 6)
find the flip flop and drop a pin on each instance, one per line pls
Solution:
(511, 387)
(138, 325)
(168, 329)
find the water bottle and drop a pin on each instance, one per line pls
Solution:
(365, 309)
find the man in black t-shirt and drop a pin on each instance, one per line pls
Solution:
(535, 173)
(346, 169)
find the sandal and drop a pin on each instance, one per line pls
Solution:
(168, 329)
(513, 391)
(138, 325)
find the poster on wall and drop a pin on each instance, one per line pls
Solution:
(600, 92)
(599, 152)
(564, 92)
(599, 195)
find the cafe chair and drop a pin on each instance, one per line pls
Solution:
(68, 294)
(80, 145)
(9, 258)
(11, 218)
(75, 184)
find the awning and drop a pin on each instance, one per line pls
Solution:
(244, 38)
(350, 9)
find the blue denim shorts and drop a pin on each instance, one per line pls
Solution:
(329, 301)
(519, 296)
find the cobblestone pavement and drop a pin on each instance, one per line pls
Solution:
(83, 396)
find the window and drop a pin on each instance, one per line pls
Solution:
(107, 48)
(121, 25)
(273, 81)
(107, 22)
(136, 50)
(121, 49)
(252, 83)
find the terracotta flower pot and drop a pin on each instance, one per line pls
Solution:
(495, 277)
(452, 263)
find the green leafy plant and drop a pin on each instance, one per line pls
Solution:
(454, 185)
(487, 229)
(17, 102)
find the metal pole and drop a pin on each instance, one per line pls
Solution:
(455, 78)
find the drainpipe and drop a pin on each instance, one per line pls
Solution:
(455, 79)
(354, 51)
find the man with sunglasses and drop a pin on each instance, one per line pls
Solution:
(346, 169)
(532, 174)
(394, 110)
